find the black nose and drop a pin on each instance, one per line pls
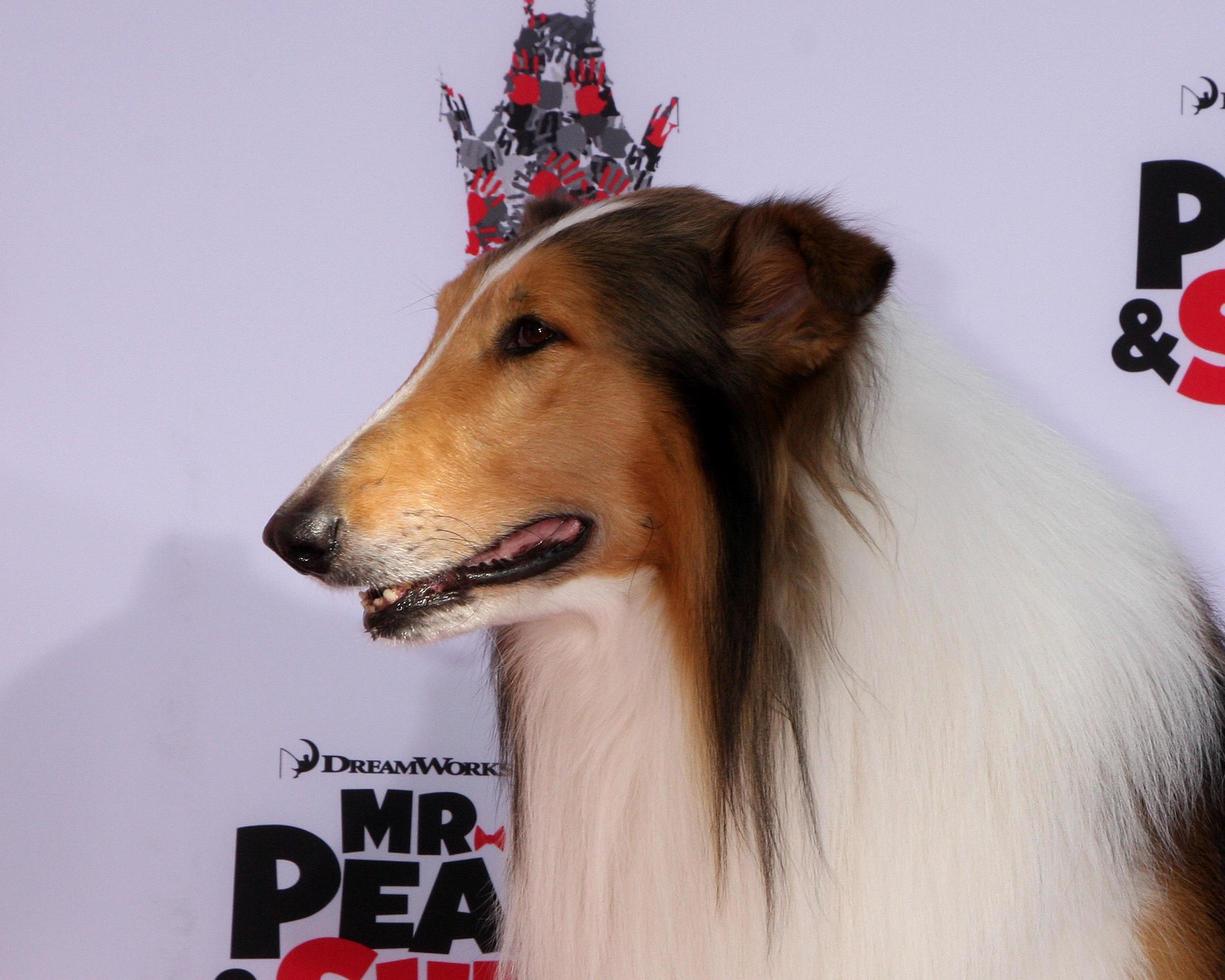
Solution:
(304, 537)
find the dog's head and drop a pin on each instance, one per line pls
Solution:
(579, 410)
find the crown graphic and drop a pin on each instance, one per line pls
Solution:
(556, 130)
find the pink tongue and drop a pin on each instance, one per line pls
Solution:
(551, 530)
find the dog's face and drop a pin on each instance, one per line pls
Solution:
(548, 433)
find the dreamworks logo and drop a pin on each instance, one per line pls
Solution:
(420, 765)
(1204, 94)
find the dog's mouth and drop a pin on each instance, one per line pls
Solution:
(530, 550)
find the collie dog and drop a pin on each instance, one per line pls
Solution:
(813, 658)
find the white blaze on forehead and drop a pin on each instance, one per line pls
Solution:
(502, 266)
(496, 271)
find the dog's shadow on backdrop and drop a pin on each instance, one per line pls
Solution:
(121, 749)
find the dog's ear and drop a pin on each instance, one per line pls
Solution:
(793, 283)
(544, 210)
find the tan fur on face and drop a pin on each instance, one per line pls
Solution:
(1179, 936)
(488, 441)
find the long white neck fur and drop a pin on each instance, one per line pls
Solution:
(1016, 667)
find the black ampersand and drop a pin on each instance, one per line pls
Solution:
(1139, 349)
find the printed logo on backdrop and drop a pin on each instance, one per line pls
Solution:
(385, 897)
(1175, 331)
(1204, 94)
(557, 130)
(298, 763)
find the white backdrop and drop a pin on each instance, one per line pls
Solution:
(221, 224)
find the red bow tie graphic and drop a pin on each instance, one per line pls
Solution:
(497, 838)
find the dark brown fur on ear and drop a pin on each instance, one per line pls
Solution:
(540, 211)
(794, 283)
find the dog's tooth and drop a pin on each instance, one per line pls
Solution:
(390, 595)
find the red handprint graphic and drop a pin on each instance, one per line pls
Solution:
(557, 130)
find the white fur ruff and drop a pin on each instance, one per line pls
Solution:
(1016, 670)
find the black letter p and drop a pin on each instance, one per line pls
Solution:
(1164, 239)
(259, 905)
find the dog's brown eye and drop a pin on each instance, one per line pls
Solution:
(528, 333)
